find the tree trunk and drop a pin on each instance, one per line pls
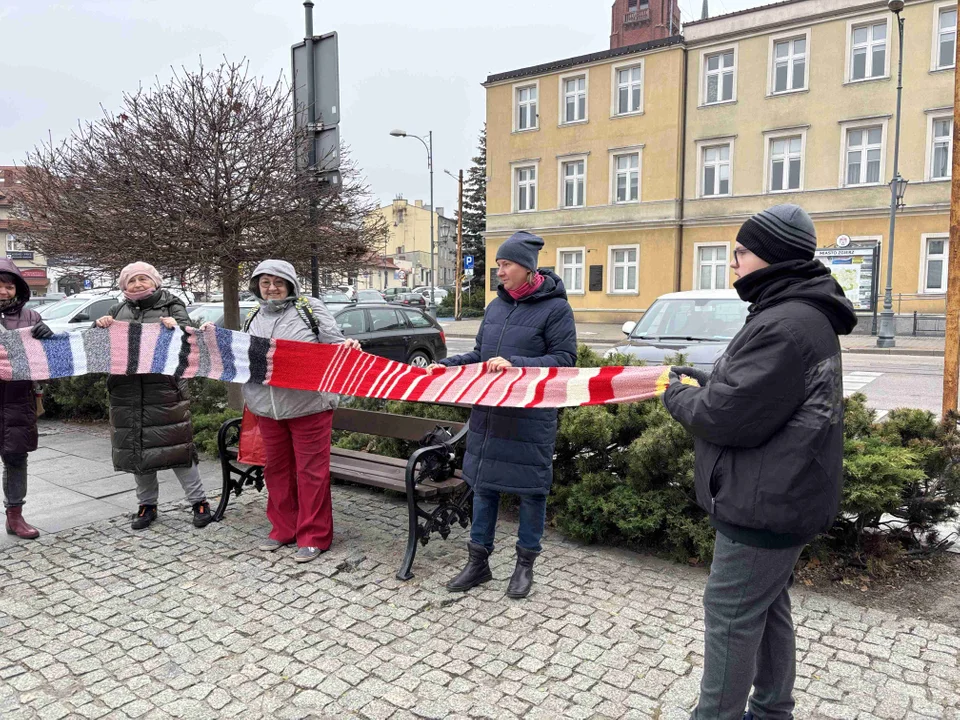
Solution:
(231, 321)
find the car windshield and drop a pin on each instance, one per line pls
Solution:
(692, 319)
(369, 295)
(62, 309)
(335, 298)
(207, 313)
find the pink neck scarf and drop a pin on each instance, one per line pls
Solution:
(135, 297)
(527, 288)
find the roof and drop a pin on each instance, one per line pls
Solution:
(583, 59)
(747, 11)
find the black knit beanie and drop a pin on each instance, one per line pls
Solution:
(778, 234)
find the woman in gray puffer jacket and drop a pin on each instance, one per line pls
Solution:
(295, 425)
(150, 425)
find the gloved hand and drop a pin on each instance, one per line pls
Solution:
(41, 331)
(700, 376)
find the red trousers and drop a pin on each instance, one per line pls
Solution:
(297, 473)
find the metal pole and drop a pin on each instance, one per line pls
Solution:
(457, 277)
(951, 349)
(433, 210)
(886, 337)
(311, 129)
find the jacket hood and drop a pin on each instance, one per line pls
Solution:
(279, 268)
(807, 281)
(23, 290)
(552, 287)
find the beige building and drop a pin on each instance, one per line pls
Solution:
(795, 102)
(638, 164)
(32, 265)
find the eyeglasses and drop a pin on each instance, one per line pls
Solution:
(741, 252)
(279, 283)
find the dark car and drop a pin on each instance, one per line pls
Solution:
(404, 334)
(412, 300)
(699, 323)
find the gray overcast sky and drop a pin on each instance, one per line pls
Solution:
(415, 65)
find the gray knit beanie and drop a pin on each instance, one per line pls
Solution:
(522, 248)
(778, 234)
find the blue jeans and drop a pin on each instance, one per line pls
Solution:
(533, 516)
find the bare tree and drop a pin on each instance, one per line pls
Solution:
(197, 176)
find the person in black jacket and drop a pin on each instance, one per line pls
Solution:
(768, 433)
(529, 324)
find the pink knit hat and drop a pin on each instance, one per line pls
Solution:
(140, 268)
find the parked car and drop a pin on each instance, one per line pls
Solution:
(404, 334)
(36, 303)
(390, 294)
(370, 296)
(413, 299)
(335, 300)
(77, 312)
(213, 312)
(698, 323)
(438, 292)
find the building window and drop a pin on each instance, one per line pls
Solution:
(629, 90)
(575, 99)
(946, 42)
(790, 64)
(864, 152)
(574, 183)
(716, 170)
(623, 269)
(571, 269)
(526, 188)
(868, 51)
(527, 108)
(935, 263)
(718, 81)
(941, 148)
(786, 159)
(626, 178)
(712, 273)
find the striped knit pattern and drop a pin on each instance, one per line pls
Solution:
(218, 354)
(780, 233)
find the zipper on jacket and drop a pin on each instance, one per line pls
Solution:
(486, 433)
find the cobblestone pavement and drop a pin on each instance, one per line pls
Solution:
(100, 622)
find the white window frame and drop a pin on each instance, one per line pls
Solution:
(848, 55)
(702, 146)
(703, 73)
(583, 268)
(611, 266)
(925, 238)
(615, 88)
(696, 263)
(772, 63)
(516, 88)
(561, 180)
(620, 152)
(585, 74)
(935, 65)
(768, 139)
(932, 118)
(863, 123)
(515, 185)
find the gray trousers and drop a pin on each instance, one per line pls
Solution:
(14, 479)
(749, 637)
(148, 490)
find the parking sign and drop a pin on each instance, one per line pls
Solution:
(468, 262)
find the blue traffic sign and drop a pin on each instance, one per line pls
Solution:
(468, 262)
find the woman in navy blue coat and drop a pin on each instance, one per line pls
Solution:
(529, 324)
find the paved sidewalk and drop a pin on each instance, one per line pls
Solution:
(610, 333)
(99, 621)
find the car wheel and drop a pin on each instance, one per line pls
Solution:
(418, 359)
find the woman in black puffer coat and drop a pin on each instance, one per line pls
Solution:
(150, 414)
(529, 324)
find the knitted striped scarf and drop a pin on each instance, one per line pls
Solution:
(218, 354)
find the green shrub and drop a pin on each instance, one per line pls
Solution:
(471, 305)
(77, 398)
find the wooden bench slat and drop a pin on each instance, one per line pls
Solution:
(399, 427)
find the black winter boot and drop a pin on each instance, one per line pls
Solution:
(146, 514)
(522, 579)
(476, 572)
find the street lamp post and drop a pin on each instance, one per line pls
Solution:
(458, 268)
(886, 337)
(428, 144)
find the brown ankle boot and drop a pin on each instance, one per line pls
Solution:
(16, 525)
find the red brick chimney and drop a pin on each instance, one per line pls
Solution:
(637, 21)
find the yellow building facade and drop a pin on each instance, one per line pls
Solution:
(407, 247)
(585, 153)
(792, 102)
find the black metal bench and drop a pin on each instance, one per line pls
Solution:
(429, 475)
